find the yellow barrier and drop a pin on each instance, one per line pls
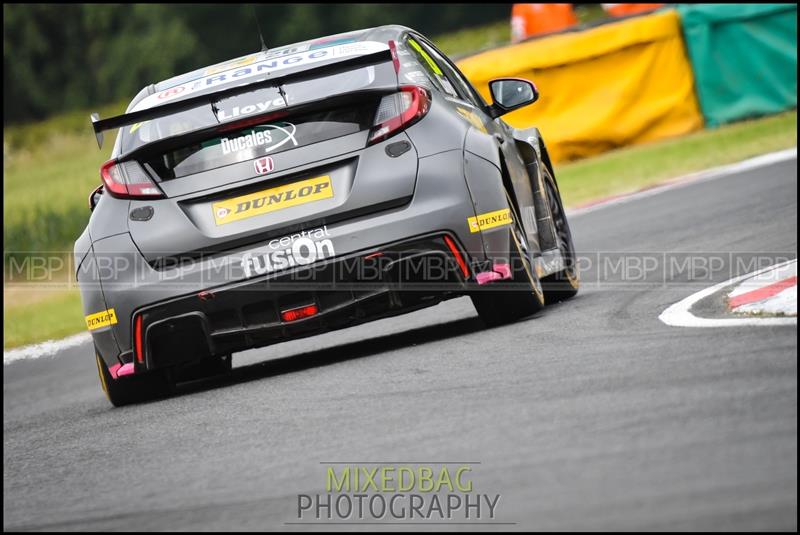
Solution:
(619, 84)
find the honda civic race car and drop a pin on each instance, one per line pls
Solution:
(309, 188)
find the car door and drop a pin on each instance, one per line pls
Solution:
(474, 107)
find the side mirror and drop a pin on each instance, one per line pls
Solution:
(94, 197)
(509, 94)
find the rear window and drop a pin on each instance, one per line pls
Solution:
(261, 140)
(244, 105)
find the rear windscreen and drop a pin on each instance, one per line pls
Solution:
(251, 104)
(262, 139)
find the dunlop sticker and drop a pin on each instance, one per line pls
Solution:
(270, 200)
(489, 220)
(105, 318)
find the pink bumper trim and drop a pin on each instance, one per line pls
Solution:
(114, 370)
(503, 269)
(487, 276)
(126, 369)
(499, 272)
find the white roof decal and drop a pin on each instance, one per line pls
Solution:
(270, 65)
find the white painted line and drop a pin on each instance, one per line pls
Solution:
(692, 178)
(679, 315)
(44, 349)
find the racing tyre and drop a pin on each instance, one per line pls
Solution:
(521, 296)
(134, 388)
(564, 284)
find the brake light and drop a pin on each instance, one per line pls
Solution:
(137, 339)
(395, 58)
(299, 313)
(252, 121)
(458, 256)
(399, 111)
(128, 179)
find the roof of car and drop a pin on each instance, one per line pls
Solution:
(380, 33)
(234, 76)
(294, 58)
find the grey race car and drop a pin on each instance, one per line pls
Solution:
(310, 188)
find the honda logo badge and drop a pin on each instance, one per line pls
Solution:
(264, 165)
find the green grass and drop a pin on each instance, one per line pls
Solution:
(633, 168)
(45, 317)
(472, 40)
(49, 169)
(29, 136)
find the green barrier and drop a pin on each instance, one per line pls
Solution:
(744, 58)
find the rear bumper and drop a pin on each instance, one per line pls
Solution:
(390, 280)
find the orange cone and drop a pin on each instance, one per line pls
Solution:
(623, 10)
(528, 20)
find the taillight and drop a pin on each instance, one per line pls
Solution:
(252, 121)
(395, 57)
(299, 313)
(457, 255)
(128, 179)
(398, 111)
(137, 339)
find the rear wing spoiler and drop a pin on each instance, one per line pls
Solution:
(101, 125)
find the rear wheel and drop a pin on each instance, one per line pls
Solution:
(521, 296)
(565, 283)
(134, 388)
